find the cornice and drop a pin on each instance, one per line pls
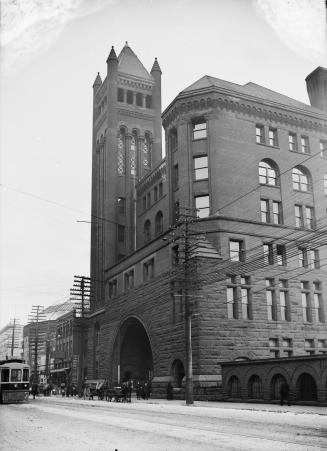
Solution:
(134, 83)
(137, 114)
(148, 180)
(245, 105)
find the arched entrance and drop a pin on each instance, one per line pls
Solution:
(277, 381)
(133, 353)
(306, 388)
(178, 373)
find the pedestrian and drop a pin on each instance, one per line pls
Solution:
(284, 394)
(170, 394)
(34, 389)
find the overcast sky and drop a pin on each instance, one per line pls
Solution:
(51, 53)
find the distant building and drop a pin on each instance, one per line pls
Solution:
(41, 338)
(253, 164)
(11, 337)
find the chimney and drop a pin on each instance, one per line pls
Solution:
(317, 88)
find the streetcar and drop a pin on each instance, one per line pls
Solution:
(14, 381)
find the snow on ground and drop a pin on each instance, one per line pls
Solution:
(75, 424)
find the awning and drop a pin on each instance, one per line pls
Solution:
(60, 370)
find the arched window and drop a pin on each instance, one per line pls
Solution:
(147, 231)
(255, 387)
(277, 381)
(234, 387)
(148, 101)
(139, 99)
(134, 141)
(178, 373)
(268, 173)
(306, 388)
(301, 179)
(159, 223)
(121, 152)
(147, 152)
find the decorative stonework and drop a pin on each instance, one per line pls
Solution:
(158, 173)
(274, 114)
(121, 155)
(137, 114)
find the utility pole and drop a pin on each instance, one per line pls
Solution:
(14, 339)
(187, 277)
(35, 317)
(83, 293)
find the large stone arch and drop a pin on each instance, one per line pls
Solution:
(132, 352)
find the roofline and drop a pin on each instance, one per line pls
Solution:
(315, 112)
(315, 70)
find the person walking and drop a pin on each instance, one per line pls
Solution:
(170, 394)
(284, 394)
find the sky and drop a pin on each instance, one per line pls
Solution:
(51, 51)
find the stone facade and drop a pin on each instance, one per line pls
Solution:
(253, 164)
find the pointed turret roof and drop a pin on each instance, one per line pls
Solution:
(97, 81)
(156, 66)
(112, 55)
(128, 63)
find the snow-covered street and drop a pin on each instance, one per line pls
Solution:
(74, 424)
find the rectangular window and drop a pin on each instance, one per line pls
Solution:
(144, 203)
(264, 210)
(325, 184)
(323, 148)
(305, 144)
(246, 297)
(309, 217)
(176, 211)
(175, 177)
(175, 255)
(309, 346)
(200, 130)
(121, 205)
(112, 288)
(148, 270)
(271, 300)
(148, 200)
(317, 302)
(202, 206)
(273, 347)
(285, 313)
(281, 254)
(268, 254)
(305, 298)
(322, 346)
(298, 216)
(160, 190)
(292, 143)
(303, 257)
(236, 250)
(129, 279)
(200, 168)
(277, 212)
(121, 233)
(232, 304)
(272, 135)
(260, 134)
(313, 259)
(155, 193)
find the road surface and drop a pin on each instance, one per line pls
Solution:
(74, 424)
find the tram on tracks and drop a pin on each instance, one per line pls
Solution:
(14, 381)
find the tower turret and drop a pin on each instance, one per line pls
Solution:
(156, 103)
(317, 88)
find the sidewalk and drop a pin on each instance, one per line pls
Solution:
(295, 409)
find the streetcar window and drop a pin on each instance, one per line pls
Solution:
(25, 374)
(16, 375)
(5, 375)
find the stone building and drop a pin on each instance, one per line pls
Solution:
(250, 271)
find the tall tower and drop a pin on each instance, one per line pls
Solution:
(127, 145)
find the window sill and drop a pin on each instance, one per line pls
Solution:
(268, 145)
(270, 186)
